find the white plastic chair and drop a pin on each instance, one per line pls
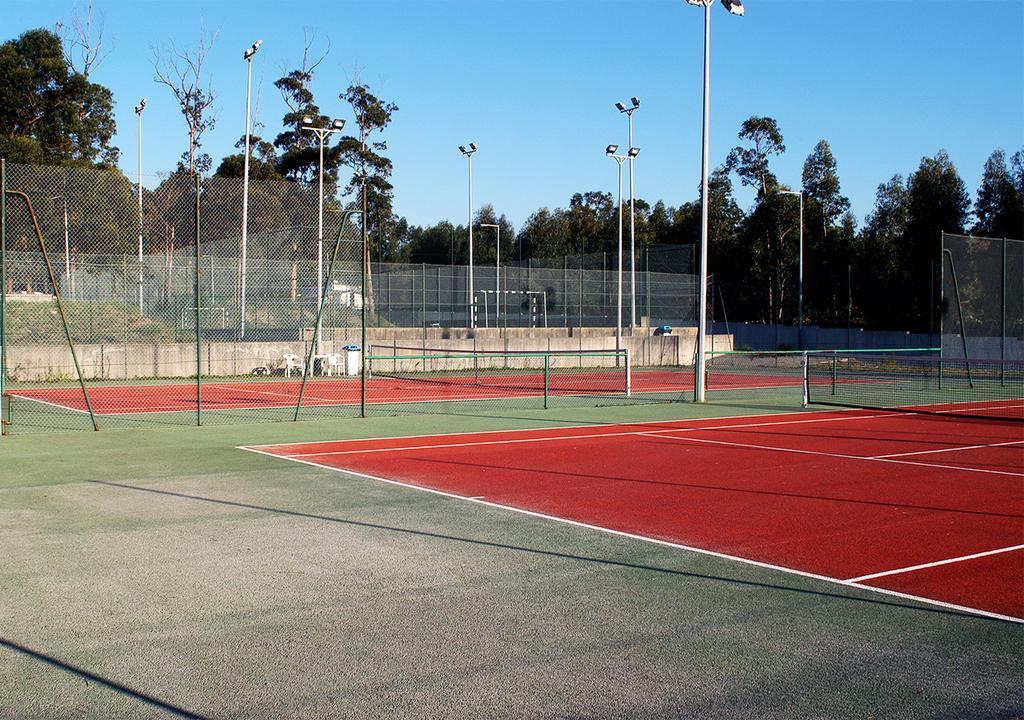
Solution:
(334, 361)
(293, 362)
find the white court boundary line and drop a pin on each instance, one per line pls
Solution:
(822, 453)
(937, 563)
(946, 450)
(553, 438)
(794, 413)
(29, 398)
(655, 541)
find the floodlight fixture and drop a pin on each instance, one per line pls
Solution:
(252, 51)
(472, 146)
(468, 149)
(307, 121)
(611, 149)
(633, 152)
(620, 107)
(338, 124)
(635, 101)
(734, 6)
(141, 106)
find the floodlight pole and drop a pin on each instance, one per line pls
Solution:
(245, 189)
(472, 297)
(619, 160)
(138, 111)
(799, 274)
(632, 212)
(735, 7)
(321, 133)
(497, 273)
(67, 253)
(468, 152)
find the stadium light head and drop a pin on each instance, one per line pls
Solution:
(734, 6)
(338, 124)
(696, 2)
(141, 106)
(635, 101)
(610, 150)
(472, 146)
(252, 51)
(633, 152)
(467, 150)
(620, 107)
(307, 121)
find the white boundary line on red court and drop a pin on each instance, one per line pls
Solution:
(551, 438)
(822, 453)
(655, 541)
(945, 450)
(937, 563)
(793, 413)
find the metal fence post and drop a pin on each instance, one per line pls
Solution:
(199, 351)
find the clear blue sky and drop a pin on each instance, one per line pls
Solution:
(533, 84)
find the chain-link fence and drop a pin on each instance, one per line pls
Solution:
(130, 319)
(982, 298)
(533, 295)
(126, 310)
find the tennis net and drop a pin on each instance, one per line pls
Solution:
(982, 389)
(522, 379)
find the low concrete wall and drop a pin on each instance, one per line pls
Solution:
(34, 363)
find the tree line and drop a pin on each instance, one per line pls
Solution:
(51, 112)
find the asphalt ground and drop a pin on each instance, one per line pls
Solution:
(163, 572)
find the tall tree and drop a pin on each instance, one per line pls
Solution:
(826, 257)
(182, 70)
(50, 113)
(937, 202)
(879, 258)
(999, 209)
(371, 170)
(299, 149)
(751, 163)
(773, 218)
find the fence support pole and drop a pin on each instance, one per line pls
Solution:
(1002, 318)
(307, 365)
(960, 313)
(199, 349)
(3, 284)
(547, 371)
(57, 297)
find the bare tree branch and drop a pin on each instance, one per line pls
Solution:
(181, 70)
(84, 48)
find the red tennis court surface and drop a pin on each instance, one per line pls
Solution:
(257, 393)
(929, 507)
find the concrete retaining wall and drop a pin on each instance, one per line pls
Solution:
(35, 363)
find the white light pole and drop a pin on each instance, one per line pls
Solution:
(245, 188)
(610, 151)
(497, 272)
(468, 152)
(799, 273)
(736, 8)
(67, 241)
(635, 102)
(138, 111)
(322, 133)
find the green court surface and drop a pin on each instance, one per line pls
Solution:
(164, 572)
